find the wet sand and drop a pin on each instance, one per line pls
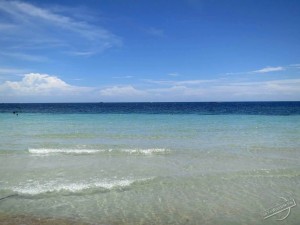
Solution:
(31, 220)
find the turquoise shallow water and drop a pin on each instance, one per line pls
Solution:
(150, 168)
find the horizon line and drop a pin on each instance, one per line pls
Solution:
(115, 102)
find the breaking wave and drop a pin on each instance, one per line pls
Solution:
(47, 151)
(77, 187)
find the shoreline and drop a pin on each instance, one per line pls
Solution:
(6, 219)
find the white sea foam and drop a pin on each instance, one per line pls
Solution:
(149, 151)
(41, 188)
(47, 151)
(66, 151)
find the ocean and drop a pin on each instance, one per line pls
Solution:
(150, 163)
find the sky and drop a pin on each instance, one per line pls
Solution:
(148, 51)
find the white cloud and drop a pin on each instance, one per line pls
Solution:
(123, 77)
(194, 82)
(32, 27)
(297, 66)
(11, 71)
(121, 91)
(217, 90)
(36, 87)
(274, 90)
(26, 57)
(36, 84)
(182, 82)
(178, 92)
(235, 91)
(269, 69)
(67, 23)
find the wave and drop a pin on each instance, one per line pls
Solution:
(47, 151)
(146, 151)
(55, 187)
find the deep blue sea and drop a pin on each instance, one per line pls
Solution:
(201, 108)
(151, 163)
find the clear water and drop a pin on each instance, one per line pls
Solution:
(150, 168)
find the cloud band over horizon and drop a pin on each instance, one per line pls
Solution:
(47, 88)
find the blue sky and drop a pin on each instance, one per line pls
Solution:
(129, 50)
